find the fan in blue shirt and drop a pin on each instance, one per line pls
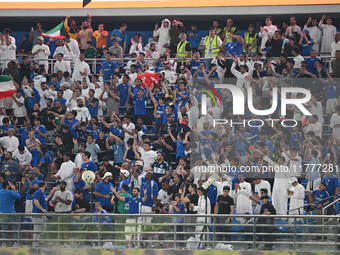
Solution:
(332, 183)
(151, 188)
(319, 196)
(234, 47)
(178, 207)
(119, 35)
(109, 67)
(88, 164)
(8, 197)
(40, 199)
(103, 190)
(123, 90)
(139, 102)
(40, 131)
(180, 142)
(134, 201)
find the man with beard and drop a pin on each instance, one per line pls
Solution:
(62, 200)
(85, 34)
(41, 52)
(133, 224)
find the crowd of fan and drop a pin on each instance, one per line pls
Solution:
(136, 124)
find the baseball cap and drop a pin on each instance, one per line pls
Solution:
(124, 172)
(292, 180)
(107, 174)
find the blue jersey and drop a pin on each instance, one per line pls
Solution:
(118, 150)
(331, 183)
(7, 200)
(119, 36)
(134, 207)
(89, 166)
(139, 105)
(41, 197)
(81, 185)
(108, 68)
(320, 197)
(195, 65)
(234, 48)
(152, 191)
(104, 188)
(123, 93)
(117, 131)
(41, 129)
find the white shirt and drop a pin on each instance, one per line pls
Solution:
(243, 203)
(203, 207)
(294, 165)
(129, 127)
(66, 174)
(297, 199)
(78, 161)
(297, 61)
(264, 34)
(148, 157)
(8, 53)
(42, 54)
(335, 120)
(242, 81)
(335, 46)
(19, 111)
(63, 66)
(170, 75)
(163, 196)
(24, 159)
(263, 185)
(73, 44)
(83, 113)
(80, 66)
(65, 195)
(10, 143)
(62, 49)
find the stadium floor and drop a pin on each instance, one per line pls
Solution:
(97, 251)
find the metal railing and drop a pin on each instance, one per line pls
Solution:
(94, 62)
(171, 231)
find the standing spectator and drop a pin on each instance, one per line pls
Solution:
(314, 32)
(293, 28)
(26, 45)
(103, 191)
(212, 43)
(81, 69)
(73, 46)
(85, 34)
(64, 49)
(163, 34)
(36, 33)
(10, 142)
(19, 107)
(120, 36)
(66, 172)
(266, 209)
(71, 29)
(306, 43)
(117, 50)
(193, 38)
(101, 36)
(335, 64)
(229, 30)
(275, 44)
(328, 34)
(250, 40)
(133, 224)
(39, 206)
(178, 208)
(7, 50)
(336, 44)
(224, 205)
(61, 64)
(90, 51)
(41, 52)
(203, 207)
(62, 200)
(23, 156)
(176, 28)
(81, 205)
(242, 195)
(268, 29)
(136, 44)
(93, 148)
(297, 197)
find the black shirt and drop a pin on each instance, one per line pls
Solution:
(193, 200)
(224, 204)
(276, 47)
(268, 208)
(81, 203)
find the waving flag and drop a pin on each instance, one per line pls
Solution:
(57, 32)
(7, 87)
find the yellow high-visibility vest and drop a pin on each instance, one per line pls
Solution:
(181, 51)
(249, 40)
(228, 32)
(214, 46)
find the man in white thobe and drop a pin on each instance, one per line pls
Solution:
(81, 69)
(242, 196)
(66, 172)
(41, 52)
(297, 197)
(328, 34)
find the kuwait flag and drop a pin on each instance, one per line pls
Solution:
(57, 32)
(7, 88)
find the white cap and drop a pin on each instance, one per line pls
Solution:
(293, 179)
(107, 174)
(124, 172)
